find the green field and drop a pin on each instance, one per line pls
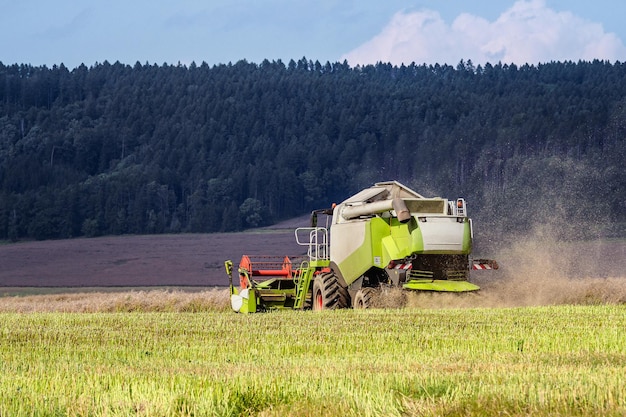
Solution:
(565, 360)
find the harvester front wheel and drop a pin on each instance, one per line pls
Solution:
(328, 294)
(364, 298)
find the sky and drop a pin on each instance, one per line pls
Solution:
(75, 32)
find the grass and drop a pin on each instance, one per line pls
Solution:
(540, 361)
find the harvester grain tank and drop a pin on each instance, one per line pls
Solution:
(384, 236)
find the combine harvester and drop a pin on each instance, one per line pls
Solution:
(384, 236)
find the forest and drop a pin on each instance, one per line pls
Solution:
(144, 149)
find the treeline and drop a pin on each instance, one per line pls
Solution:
(117, 149)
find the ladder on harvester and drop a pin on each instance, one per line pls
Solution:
(317, 242)
(303, 281)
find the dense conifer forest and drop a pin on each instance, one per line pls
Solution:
(120, 149)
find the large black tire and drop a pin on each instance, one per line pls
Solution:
(365, 298)
(328, 294)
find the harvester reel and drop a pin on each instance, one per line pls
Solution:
(328, 294)
(365, 298)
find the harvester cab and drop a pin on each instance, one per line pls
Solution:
(386, 235)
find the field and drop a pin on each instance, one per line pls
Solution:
(544, 336)
(539, 361)
(136, 261)
(186, 272)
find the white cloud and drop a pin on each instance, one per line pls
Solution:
(528, 32)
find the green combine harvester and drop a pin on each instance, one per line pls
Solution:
(384, 236)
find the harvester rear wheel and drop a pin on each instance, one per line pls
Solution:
(328, 294)
(364, 298)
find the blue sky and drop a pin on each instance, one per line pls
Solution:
(41, 32)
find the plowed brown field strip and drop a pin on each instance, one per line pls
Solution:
(136, 261)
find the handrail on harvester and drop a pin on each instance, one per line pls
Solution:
(316, 239)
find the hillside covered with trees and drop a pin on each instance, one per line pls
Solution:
(119, 149)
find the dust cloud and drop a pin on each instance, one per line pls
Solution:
(539, 270)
